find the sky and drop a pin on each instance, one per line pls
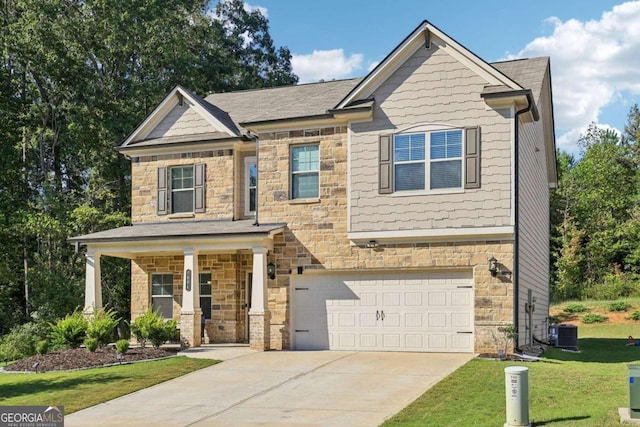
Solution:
(594, 45)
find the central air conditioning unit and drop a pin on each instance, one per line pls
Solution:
(564, 336)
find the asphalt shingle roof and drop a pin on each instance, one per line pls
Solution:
(316, 99)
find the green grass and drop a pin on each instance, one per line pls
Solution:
(565, 389)
(80, 389)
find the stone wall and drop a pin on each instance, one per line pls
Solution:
(219, 184)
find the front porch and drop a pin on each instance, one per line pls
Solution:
(210, 276)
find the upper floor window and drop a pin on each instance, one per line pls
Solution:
(430, 160)
(434, 159)
(181, 189)
(305, 171)
(250, 185)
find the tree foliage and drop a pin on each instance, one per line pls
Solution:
(75, 78)
(595, 216)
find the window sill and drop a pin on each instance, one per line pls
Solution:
(182, 215)
(303, 201)
(426, 193)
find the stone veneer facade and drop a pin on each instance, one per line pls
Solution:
(315, 238)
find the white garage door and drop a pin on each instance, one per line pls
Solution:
(413, 311)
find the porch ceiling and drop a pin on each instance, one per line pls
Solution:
(175, 236)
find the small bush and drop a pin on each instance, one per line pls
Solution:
(70, 331)
(102, 326)
(575, 308)
(20, 342)
(554, 320)
(635, 315)
(619, 306)
(122, 346)
(152, 327)
(593, 318)
(91, 344)
(42, 347)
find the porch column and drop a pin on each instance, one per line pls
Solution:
(191, 313)
(92, 284)
(259, 315)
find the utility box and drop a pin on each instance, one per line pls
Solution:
(634, 391)
(564, 336)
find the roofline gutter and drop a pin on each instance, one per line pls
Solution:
(516, 228)
(531, 106)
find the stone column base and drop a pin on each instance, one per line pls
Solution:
(259, 331)
(191, 328)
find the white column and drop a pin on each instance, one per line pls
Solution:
(259, 286)
(93, 283)
(190, 282)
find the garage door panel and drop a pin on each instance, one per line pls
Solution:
(423, 311)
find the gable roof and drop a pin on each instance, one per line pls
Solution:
(529, 73)
(220, 121)
(424, 35)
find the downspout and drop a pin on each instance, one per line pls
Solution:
(256, 139)
(516, 246)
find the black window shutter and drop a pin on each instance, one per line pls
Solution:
(198, 189)
(472, 158)
(385, 165)
(162, 191)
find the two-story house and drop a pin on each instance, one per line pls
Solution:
(404, 211)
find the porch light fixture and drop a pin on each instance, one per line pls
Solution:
(372, 244)
(271, 270)
(493, 266)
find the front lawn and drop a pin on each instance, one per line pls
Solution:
(565, 389)
(80, 389)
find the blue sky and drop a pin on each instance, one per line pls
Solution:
(594, 45)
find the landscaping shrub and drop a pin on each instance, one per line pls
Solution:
(593, 318)
(152, 327)
(102, 326)
(619, 306)
(91, 344)
(122, 346)
(635, 315)
(20, 342)
(70, 331)
(575, 308)
(42, 347)
(554, 320)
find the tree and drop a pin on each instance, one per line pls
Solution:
(75, 78)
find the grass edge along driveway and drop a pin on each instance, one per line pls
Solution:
(565, 389)
(76, 390)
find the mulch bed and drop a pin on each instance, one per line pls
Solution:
(80, 358)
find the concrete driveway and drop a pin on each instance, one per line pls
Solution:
(310, 388)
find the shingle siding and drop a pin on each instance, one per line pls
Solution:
(182, 120)
(432, 87)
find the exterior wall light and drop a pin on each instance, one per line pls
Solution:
(372, 244)
(493, 266)
(271, 270)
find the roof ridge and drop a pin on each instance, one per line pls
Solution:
(286, 86)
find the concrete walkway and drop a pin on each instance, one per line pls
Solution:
(311, 388)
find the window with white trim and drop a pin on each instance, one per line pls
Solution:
(182, 189)
(162, 294)
(305, 171)
(250, 185)
(431, 160)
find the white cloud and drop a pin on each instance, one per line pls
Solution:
(325, 65)
(263, 10)
(593, 64)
